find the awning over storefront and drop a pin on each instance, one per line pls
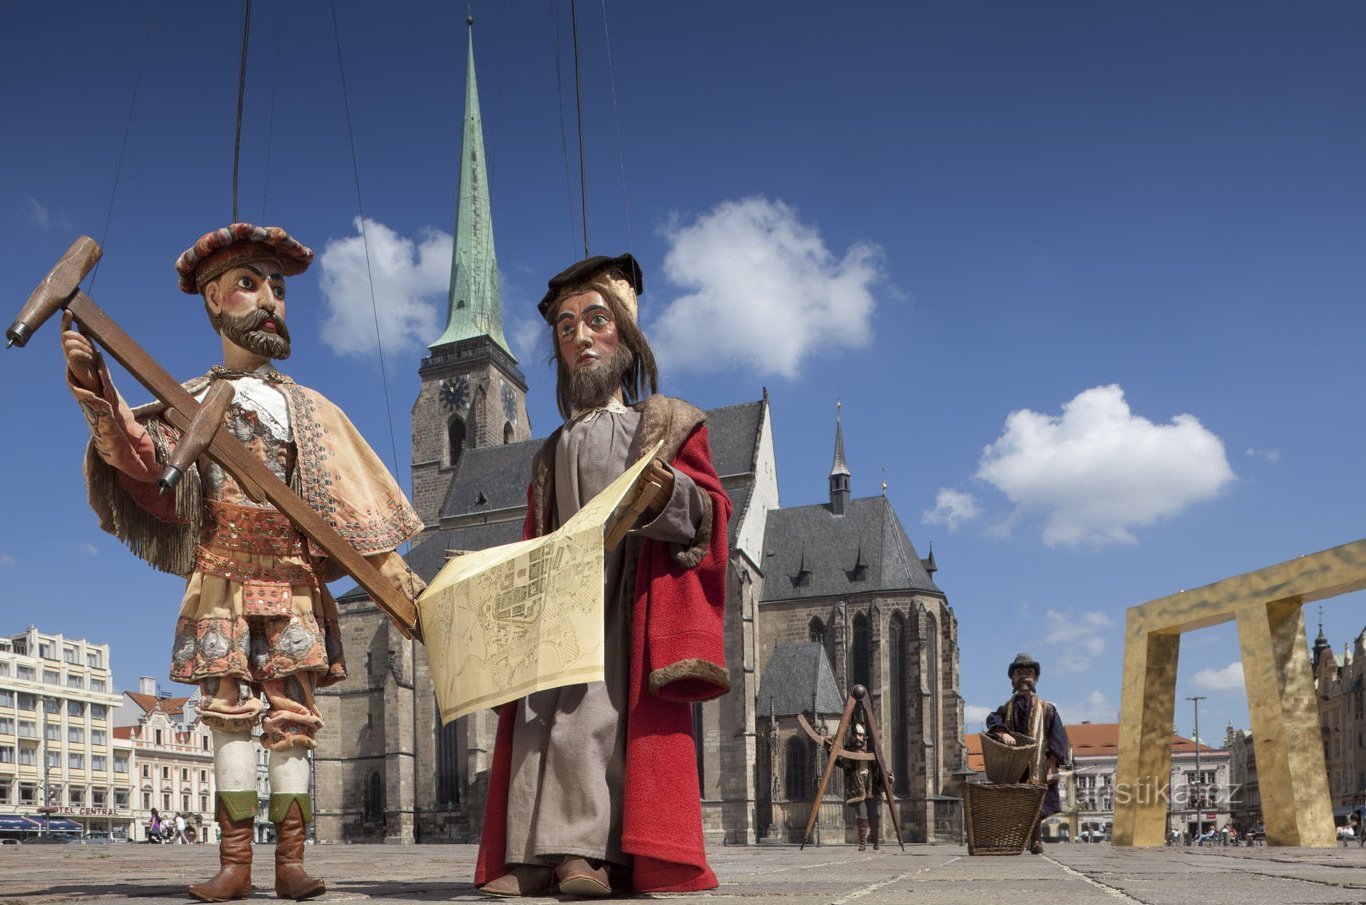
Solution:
(14, 823)
(61, 825)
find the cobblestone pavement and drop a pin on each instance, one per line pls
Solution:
(827, 875)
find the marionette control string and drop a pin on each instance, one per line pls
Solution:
(127, 129)
(241, 95)
(364, 239)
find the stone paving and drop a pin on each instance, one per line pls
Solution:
(826, 875)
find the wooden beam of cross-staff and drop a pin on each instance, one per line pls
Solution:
(837, 750)
(60, 290)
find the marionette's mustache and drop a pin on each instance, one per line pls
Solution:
(255, 320)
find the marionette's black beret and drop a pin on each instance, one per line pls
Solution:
(625, 265)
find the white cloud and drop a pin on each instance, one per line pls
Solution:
(1079, 638)
(6, 559)
(41, 217)
(1095, 708)
(1229, 678)
(411, 280)
(88, 549)
(952, 508)
(766, 292)
(974, 715)
(1098, 470)
(1271, 455)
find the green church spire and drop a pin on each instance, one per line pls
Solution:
(476, 307)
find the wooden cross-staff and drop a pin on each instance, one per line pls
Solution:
(837, 750)
(61, 290)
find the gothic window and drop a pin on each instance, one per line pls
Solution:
(507, 432)
(860, 654)
(374, 799)
(797, 773)
(900, 701)
(936, 701)
(815, 630)
(447, 764)
(456, 433)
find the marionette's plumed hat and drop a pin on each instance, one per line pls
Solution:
(623, 271)
(223, 249)
(1023, 661)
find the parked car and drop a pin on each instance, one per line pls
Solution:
(50, 839)
(99, 837)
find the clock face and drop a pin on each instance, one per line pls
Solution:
(510, 402)
(455, 391)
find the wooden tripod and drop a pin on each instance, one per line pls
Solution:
(837, 750)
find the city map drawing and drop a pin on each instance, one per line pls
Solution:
(522, 617)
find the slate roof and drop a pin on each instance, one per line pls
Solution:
(794, 677)
(733, 432)
(811, 552)
(495, 475)
(427, 558)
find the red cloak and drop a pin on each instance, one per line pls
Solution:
(677, 658)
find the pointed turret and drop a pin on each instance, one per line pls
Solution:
(476, 305)
(1320, 643)
(928, 562)
(839, 471)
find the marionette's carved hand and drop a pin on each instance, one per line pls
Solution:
(1005, 738)
(644, 503)
(82, 360)
(659, 478)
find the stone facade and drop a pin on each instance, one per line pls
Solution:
(1340, 682)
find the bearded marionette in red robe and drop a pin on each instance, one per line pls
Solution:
(594, 787)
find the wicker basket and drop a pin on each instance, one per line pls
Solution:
(1000, 816)
(1008, 763)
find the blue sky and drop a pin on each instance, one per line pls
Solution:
(1086, 277)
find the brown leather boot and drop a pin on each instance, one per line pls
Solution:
(862, 834)
(291, 882)
(874, 830)
(233, 880)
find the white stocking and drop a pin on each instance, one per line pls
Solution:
(234, 761)
(289, 771)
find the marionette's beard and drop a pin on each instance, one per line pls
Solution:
(590, 387)
(1024, 683)
(245, 330)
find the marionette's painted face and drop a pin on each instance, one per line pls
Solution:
(247, 304)
(1024, 678)
(588, 344)
(585, 331)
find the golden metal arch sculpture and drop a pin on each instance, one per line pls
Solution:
(1268, 607)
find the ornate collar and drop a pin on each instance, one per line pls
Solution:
(264, 372)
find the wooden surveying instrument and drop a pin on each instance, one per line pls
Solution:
(198, 423)
(857, 694)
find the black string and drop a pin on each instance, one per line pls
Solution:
(559, 100)
(270, 128)
(578, 103)
(365, 241)
(127, 129)
(616, 120)
(241, 95)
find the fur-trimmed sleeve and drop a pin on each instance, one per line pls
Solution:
(687, 592)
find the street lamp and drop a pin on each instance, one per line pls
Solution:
(1199, 814)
